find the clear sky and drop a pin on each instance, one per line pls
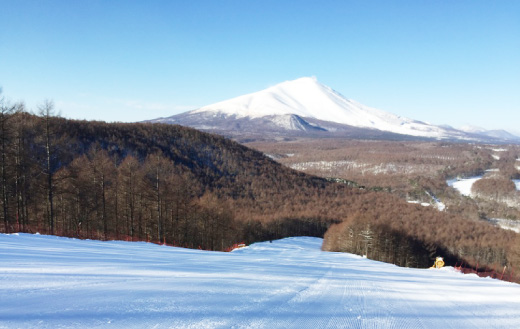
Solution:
(444, 62)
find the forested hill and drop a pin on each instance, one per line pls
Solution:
(176, 185)
(142, 181)
(216, 162)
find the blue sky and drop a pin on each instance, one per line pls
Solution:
(444, 62)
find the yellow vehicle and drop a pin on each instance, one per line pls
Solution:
(439, 262)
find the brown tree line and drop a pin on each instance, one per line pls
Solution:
(49, 185)
(495, 187)
(413, 235)
(99, 196)
(413, 170)
(159, 183)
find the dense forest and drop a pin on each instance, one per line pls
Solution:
(153, 182)
(412, 170)
(176, 185)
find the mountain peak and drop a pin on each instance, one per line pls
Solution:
(312, 79)
(305, 97)
(302, 80)
(308, 98)
(305, 103)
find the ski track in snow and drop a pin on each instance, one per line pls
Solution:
(51, 282)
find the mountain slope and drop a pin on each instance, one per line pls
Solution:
(297, 105)
(66, 283)
(307, 98)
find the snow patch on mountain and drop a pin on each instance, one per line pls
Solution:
(472, 129)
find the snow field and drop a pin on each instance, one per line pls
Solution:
(52, 282)
(464, 185)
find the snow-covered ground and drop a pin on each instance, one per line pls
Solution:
(52, 282)
(363, 168)
(435, 201)
(463, 185)
(506, 224)
(424, 204)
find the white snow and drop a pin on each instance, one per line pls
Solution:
(424, 204)
(440, 205)
(472, 129)
(463, 185)
(496, 157)
(52, 282)
(506, 224)
(363, 168)
(308, 98)
(435, 201)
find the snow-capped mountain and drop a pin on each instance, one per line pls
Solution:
(498, 134)
(306, 106)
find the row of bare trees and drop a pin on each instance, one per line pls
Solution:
(142, 201)
(497, 188)
(412, 236)
(47, 188)
(144, 182)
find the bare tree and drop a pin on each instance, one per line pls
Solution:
(46, 112)
(104, 173)
(6, 111)
(129, 180)
(22, 165)
(158, 171)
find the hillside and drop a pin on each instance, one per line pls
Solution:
(176, 185)
(140, 181)
(66, 283)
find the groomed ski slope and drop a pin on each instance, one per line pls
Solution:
(53, 282)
